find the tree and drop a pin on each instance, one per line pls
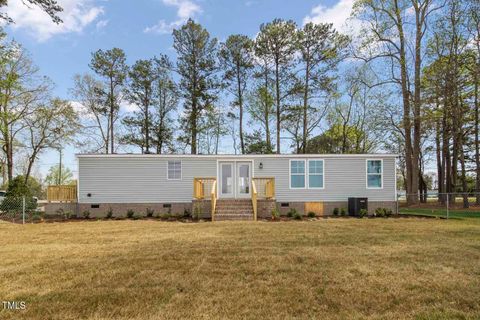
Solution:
(197, 68)
(139, 91)
(237, 55)
(256, 144)
(334, 140)
(21, 91)
(51, 7)
(277, 43)
(386, 37)
(320, 49)
(261, 110)
(110, 65)
(51, 125)
(55, 177)
(165, 100)
(93, 111)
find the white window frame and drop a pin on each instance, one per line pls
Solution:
(308, 174)
(181, 170)
(366, 174)
(290, 174)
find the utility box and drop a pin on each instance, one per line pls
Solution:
(357, 204)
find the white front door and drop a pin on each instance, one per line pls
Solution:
(244, 173)
(234, 179)
(226, 179)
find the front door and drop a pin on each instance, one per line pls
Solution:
(243, 179)
(226, 179)
(234, 179)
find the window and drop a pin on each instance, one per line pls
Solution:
(297, 174)
(174, 170)
(374, 174)
(315, 174)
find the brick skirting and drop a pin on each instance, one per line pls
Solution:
(202, 207)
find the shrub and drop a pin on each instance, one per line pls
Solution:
(335, 211)
(297, 215)
(291, 213)
(186, 214)
(388, 212)
(380, 212)
(165, 216)
(197, 210)
(36, 217)
(130, 213)
(68, 214)
(86, 214)
(275, 214)
(150, 212)
(362, 213)
(136, 217)
(343, 211)
(109, 214)
(311, 214)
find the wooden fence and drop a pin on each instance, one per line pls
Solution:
(62, 193)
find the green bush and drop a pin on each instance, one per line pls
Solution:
(150, 212)
(17, 190)
(362, 213)
(136, 217)
(335, 211)
(275, 214)
(165, 216)
(388, 212)
(291, 213)
(343, 212)
(297, 215)
(86, 214)
(311, 214)
(380, 212)
(109, 214)
(197, 210)
(130, 213)
(186, 214)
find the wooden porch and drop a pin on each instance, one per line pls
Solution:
(262, 188)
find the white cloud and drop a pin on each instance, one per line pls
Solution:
(101, 24)
(126, 106)
(185, 9)
(337, 15)
(76, 15)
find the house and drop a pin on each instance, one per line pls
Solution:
(225, 187)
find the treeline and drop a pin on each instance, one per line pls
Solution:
(282, 81)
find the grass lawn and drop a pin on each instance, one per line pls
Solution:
(436, 212)
(326, 269)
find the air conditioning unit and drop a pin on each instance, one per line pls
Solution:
(357, 204)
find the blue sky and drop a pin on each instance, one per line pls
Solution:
(143, 29)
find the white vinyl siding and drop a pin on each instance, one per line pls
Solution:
(374, 174)
(297, 174)
(174, 170)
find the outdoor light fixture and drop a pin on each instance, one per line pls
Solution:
(260, 166)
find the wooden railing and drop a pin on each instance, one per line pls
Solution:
(67, 193)
(213, 196)
(265, 187)
(254, 200)
(199, 187)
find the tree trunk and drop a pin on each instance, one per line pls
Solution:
(112, 110)
(477, 144)
(240, 109)
(277, 93)
(305, 107)
(464, 180)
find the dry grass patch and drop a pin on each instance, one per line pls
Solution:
(336, 268)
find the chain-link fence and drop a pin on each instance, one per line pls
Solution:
(18, 209)
(441, 205)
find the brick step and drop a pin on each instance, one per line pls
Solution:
(235, 208)
(232, 217)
